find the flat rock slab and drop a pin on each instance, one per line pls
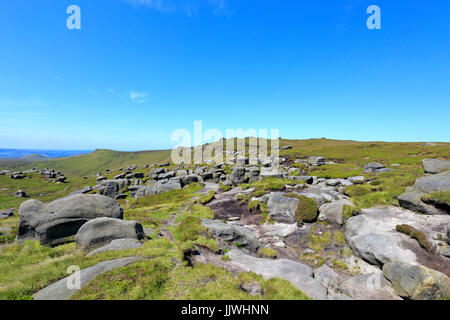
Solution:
(373, 236)
(435, 165)
(300, 275)
(119, 244)
(60, 291)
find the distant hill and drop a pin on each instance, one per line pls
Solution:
(91, 163)
(335, 150)
(20, 153)
(34, 157)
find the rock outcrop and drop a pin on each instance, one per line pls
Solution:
(101, 231)
(53, 222)
(417, 282)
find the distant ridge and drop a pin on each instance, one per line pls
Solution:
(34, 157)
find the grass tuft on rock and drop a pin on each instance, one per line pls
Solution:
(415, 234)
(307, 210)
(267, 253)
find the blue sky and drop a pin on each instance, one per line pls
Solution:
(140, 69)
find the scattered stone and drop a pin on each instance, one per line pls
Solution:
(20, 194)
(435, 165)
(316, 161)
(375, 167)
(356, 180)
(7, 213)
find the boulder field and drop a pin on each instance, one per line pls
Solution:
(303, 229)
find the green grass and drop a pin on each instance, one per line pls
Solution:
(267, 253)
(158, 279)
(207, 198)
(318, 243)
(269, 184)
(383, 189)
(38, 187)
(415, 234)
(307, 210)
(439, 199)
(339, 264)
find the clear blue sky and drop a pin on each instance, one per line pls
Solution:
(139, 69)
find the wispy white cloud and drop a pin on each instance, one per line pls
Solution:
(160, 5)
(188, 7)
(220, 7)
(113, 92)
(138, 97)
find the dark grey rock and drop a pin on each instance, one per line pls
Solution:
(375, 167)
(118, 244)
(417, 282)
(53, 222)
(435, 165)
(282, 209)
(234, 233)
(100, 231)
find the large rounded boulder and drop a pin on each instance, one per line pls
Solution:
(55, 222)
(101, 231)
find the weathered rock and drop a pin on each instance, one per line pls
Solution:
(411, 198)
(369, 287)
(373, 236)
(375, 167)
(100, 231)
(53, 222)
(435, 165)
(60, 290)
(234, 233)
(332, 212)
(435, 182)
(7, 213)
(20, 194)
(191, 178)
(417, 282)
(111, 188)
(118, 244)
(271, 172)
(238, 175)
(82, 191)
(282, 209)
(321, 195)
(316, 161)
(356, 180)
(300, 275)
(135, 175)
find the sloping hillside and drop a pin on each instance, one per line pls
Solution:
(91, 163)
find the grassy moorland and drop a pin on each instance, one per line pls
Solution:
(28, 267)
